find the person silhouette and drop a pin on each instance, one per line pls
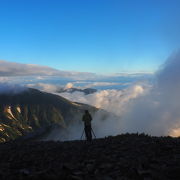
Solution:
(87, 125)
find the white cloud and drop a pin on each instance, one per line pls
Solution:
(4, 79)
(116, 102)
(110, 100)
(69, 85)
(11, 88)
(94, 84)
(153, 110)
(44, 87)
(140, 108)
(158, 112)
(18, 69)
(42, 72)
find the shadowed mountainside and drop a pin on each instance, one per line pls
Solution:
(128, 156)
(32, 113)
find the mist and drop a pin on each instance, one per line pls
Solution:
(9, 88)
(143, 108)
(158, 113)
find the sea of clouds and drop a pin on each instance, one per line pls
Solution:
(144, 105)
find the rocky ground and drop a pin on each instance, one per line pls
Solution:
(128, 156)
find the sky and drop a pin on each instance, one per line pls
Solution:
(99, 36)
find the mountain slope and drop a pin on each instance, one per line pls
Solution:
(35, 111)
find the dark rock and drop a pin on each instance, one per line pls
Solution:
(127, 156)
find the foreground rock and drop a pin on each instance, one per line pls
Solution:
(122, 157)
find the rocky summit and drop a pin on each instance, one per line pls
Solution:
(127, 156)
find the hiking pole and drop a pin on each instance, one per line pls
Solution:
(93, 132)
(82, 134)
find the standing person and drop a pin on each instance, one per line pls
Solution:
(87, 125)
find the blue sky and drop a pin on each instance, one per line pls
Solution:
(101, 36)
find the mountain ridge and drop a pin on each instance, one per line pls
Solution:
(31, 109)
(86, 91)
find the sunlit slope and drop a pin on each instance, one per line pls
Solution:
(33, 111)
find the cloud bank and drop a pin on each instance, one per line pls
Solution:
(11, 88)
(44, 87)
(158, 112)
(116, 102)
(18, 69)
(141, 107)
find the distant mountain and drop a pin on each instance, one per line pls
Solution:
(71, 90)
(32, 112)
